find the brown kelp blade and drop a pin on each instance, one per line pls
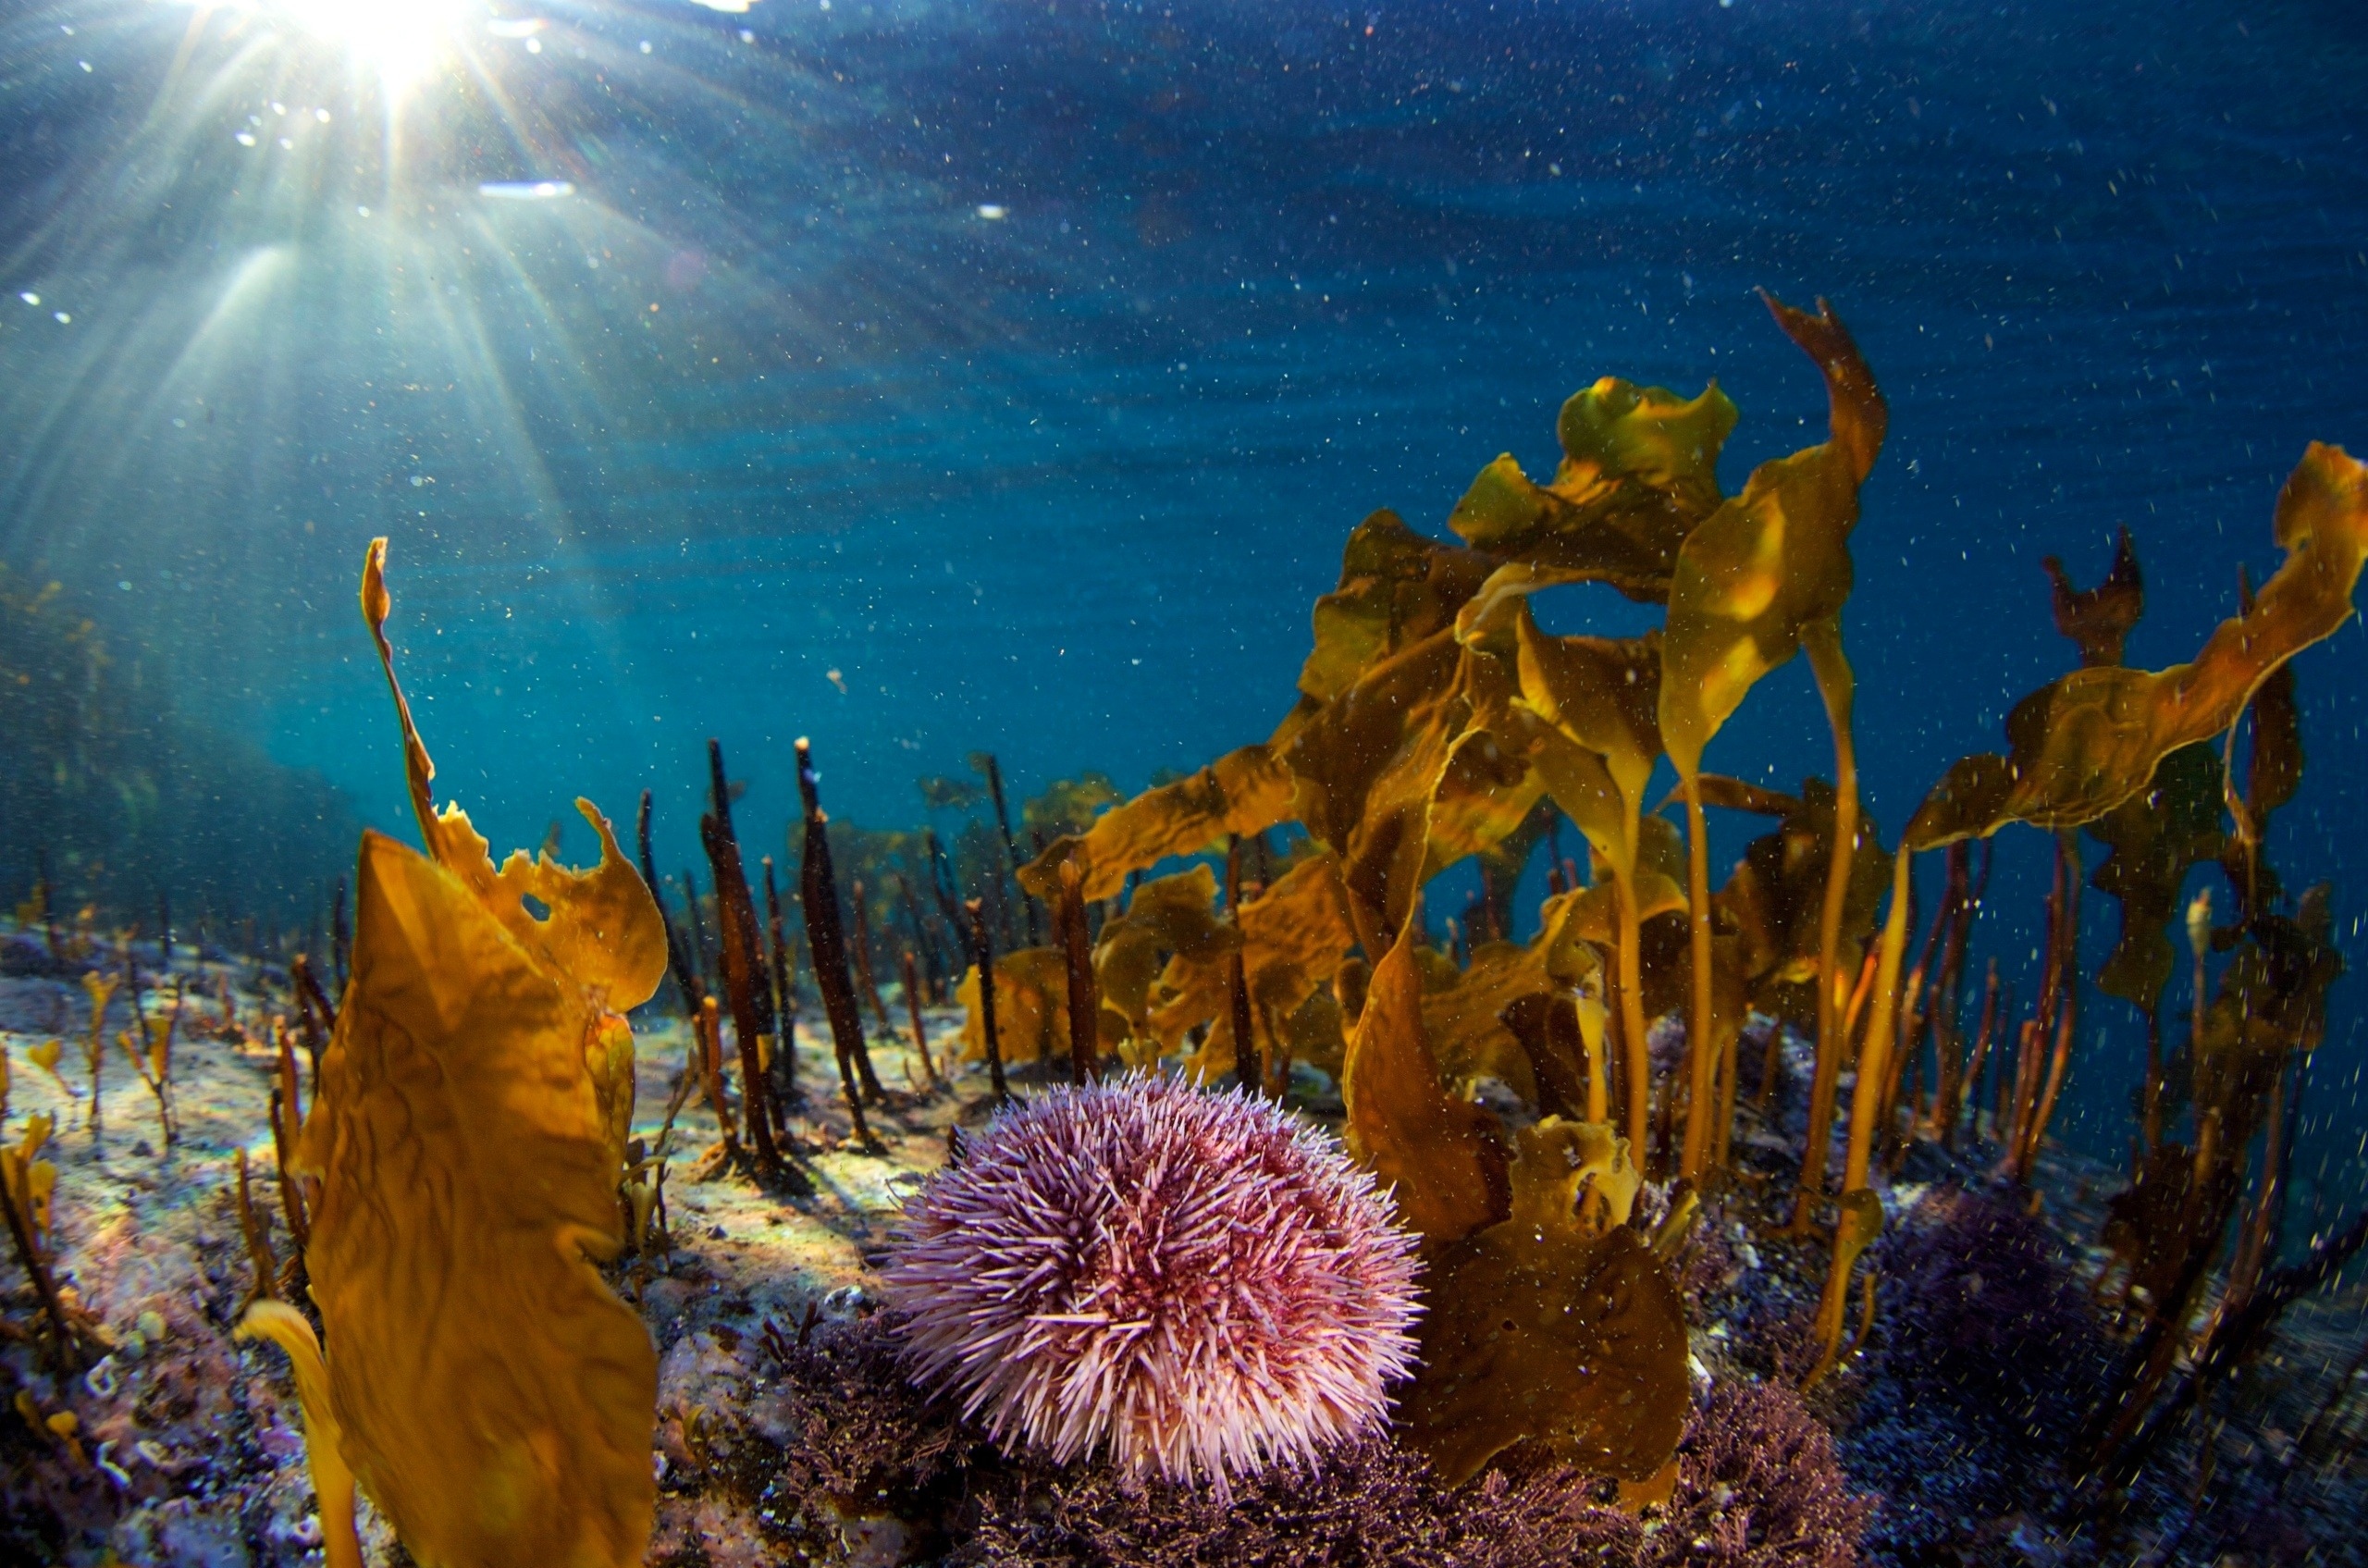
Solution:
(1557, 1325)
(1397, 588)
(600, 927)
(1245, 791)
(2098, 620)
(1441, 1153)
(1639, 471)
(2153, 839)
(1773, 559)
(2084, 744)
(493, 1396)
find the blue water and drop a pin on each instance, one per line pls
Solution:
(928, 378)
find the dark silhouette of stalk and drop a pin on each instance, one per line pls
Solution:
(941, 886)
(746, 979)
(924, 945)
(313, 1014)
(921, 1031)
(2236, 1334)
(986, 763)
(982, 953)
(49, 900)
(702, 956)
(1084, 996)
(819, 891)
(287, 1121)
(863, 960)
(1969, 1080)
(786, 1094)
(679, 961)
(341, 938)
(1236, 980)
(165, 927)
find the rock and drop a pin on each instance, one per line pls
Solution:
(180, 1532)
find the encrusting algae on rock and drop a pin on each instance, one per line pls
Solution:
(485, 1388)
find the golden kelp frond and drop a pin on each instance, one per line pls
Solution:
(1438, 1153)
(1557, 1325)
(1245, 791)
(1069, 806)
(1775, 899)
(2272, 1002)
(1463, 1015)
(1172, 917)
(1773, 559)
(2086, 743)
(599, 928)
(1639, 471)
(1604, 693)
(492, 1395)
(1397, 588)
(332, 1478)
(1031, 1002)
(2152, 839)
(1294, 934)
(1369, 764)
(2098, 620)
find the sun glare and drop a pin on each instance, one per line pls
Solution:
(397, 41)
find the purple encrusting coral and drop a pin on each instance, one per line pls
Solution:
(1194, 1281)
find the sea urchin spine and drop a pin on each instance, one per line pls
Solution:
(1193, 1281)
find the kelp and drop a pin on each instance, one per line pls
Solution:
(2082, 745)
(1441, 1154)
(1558, 1325)
(1763, 577)
(1597, 700)
(468, 1140)
(1243, 792)
(2099, 620)
(1638, 474)
(1031, 1006)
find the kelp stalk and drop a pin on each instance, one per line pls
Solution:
(254, 1228)
(921, 1031)
(745, 978)
(1968, 1082)
(818, 892)
(1084, 1000)
(2066, 994)
(985, 762)
(784, 1073)
(982, 953)
(706, 1049)
(1861, 1211)
(1239, 1016)
(1837, 689)
(288, 1121)
(862, 949)
(679, 961)
(1701, 1049)
(332, 1477)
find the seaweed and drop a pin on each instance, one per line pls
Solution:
(479, 1043)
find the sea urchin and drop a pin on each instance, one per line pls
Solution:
(1194, 1279)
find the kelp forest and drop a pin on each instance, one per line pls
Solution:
(1730, 1197)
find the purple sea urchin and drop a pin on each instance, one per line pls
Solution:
(1194, 1280)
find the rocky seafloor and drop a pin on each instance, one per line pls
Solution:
(785, 1435)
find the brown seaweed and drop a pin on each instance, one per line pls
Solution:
(825, 939)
